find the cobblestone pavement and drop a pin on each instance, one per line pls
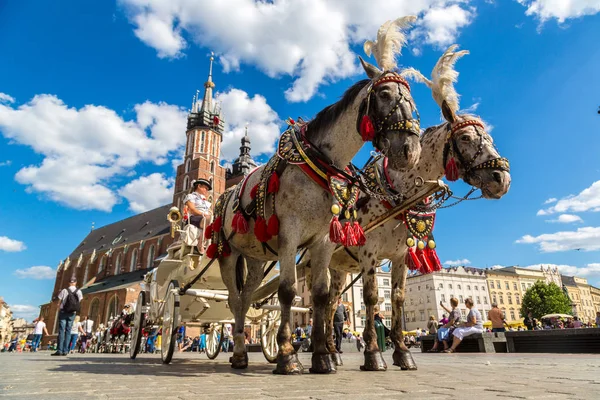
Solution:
(193, 376)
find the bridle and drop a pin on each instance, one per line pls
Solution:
(385, 124)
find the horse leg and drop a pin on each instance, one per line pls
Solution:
(287, 359)
(402, 356)
(320, 256)
(373, 358)
(338, 279)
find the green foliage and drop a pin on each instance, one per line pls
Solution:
(543, 298)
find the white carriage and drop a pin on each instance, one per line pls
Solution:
(186, 289)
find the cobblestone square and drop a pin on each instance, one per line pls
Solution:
(193, 376)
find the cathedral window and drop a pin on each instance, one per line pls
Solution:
(94, 308)
(101, 267)
(85, 273)
(188, 165)
(150, 260)
(202, 143)
(112, 310)
(213, 147)
(186, 183)
(190, 145)
(133, 260)
(118, 264)
(212, 165)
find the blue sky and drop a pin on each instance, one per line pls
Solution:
(93, 98)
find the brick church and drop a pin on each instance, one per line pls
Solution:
(111, 261)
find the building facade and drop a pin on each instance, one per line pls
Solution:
(354, 299)
(582, 298)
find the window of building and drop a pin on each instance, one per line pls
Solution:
(101, 266)
(427, 286)
(506, 285)
(412, 303)
(419, 287)
(345, 297)
(86, 271)
(476, 287)
(422, 312)
(212, 165)
(420, 300)
(484, 300)
(118, 264)
(186, 182)
(428, 299)
(501, 299)
(388, 307)
(443, 297)
(133, 262)
(512, 315)
(449, 286)
(361, 293)
(451, 296)
(529, 285)
(492, 285)
(459, 287)
(494, 299)
(214, 152)
(478, 300)
(190, 145)
(412, 319)
(514, 285)
(460, 299)
(93, 312)
(483, 288)
(441, 286)
(188, 165)
(509, 297)
(363, 321)
(498, 284)
(202, 143)
(468, 287)
(386, 282)
(523, 287)
(387, 322)
(150, 257)
(362, 306)
(463, 313)
(386, 294)
(112, 310)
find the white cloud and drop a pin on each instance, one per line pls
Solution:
(471, 109)
(25, 311)
(587, 239)
(551, 200)
(148, 192)
(587, 200)
(590, 271)
(5, 98)
(36, 272)
(561, 10)
(456, 263)
(308, 40)
(566, 219)
(263, 122)
(11, 245)
(5, 163)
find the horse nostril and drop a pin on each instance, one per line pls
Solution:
(406, 150)
(498, 177)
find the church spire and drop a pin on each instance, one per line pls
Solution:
(207, 105)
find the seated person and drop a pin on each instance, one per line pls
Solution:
(473, 325)
(199, 207)
(443, 332)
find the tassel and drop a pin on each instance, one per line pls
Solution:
(211, 252)
(274, 183)
(359, 234)
(426, 267)
(336, 234)
(412, 260)
(226, 252)
(367, 130)
(239, 223)
(260, 230)
(451, 170)
(208, 232)
(350, 239)
(273, 226)
(254, 191)
(217, 224)
(433, 258)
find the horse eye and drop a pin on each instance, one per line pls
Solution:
(385, 94)
(465, 138)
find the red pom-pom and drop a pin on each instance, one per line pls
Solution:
(349, 235)
(239, 223)
(226, 252)
(336, 234)
(412, 260)
(253, 191)
(426, 267)
(208, 232)
(433, 258)
(217, 224)
(359, 234)
(451, 170)
(211, 252)
(367, 130)
(260, 230)
(273, 226)
(273, 183)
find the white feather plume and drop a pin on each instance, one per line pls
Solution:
(416, 76)
(391, 38)
(444, 76)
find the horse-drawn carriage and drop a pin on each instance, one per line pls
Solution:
(186, 288)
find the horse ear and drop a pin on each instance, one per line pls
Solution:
(448, 113)
(371, 70)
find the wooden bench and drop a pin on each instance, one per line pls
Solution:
(581, 340)
(478, 343)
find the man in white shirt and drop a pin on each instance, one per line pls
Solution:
(87, 326)
(69, 302)
(198, 207)
(38, 330)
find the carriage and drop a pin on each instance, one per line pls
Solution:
(186, 288)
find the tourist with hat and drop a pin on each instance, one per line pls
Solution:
(69, 300)
(198, 207)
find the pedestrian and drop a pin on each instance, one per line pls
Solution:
(529, 321)
(576, 322)
(379, 328)
(473, 326)
(87, 327)
(497, 317)
(38, 330)
(69, 303)
(432, 325)
(226, 336)
(443, 333)
(359, 342)
(340, 316)
(308, 329)
(202, 347)
(75, 331)
(444, 320)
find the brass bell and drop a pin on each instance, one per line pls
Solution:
(421, 245)
(410, 242)
(335, 209)
(431, 244)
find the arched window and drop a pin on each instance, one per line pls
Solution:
(202, 143)
(150, 260)
(86, 271)
(212, 164)
(214, 147)
(188, 164)
(93, 312)
(118, 264)
(133, 263)
(102, 262)
(112, 310)
(186, 182)
(190, 145)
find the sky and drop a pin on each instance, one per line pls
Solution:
(94, 98)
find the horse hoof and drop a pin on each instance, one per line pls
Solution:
(404, 360)
(337, 359)
(239, 362)
(374, 362)
(322, 364)
(288, 365)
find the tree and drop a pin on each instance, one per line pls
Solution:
(543, 298)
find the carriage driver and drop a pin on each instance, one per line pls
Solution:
(198, 206)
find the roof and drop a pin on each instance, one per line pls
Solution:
(568, 280)
(129, 230)
(115, 282)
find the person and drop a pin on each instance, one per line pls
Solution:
(308, 329)
(75, 330)
(379, 328)
(202, 346)
(598, 319)
(443, 333)
(444, 320)
(340, 316)
(69, 303)
(360, 343)
(432, 325)
(38, 330)
(87, 332)
(497, 317)
(473, 325)
(529, 321)
(227, 336)
(198, 207)
(298, 332)
(576, 322)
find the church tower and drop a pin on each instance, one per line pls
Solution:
(203, 146)
(243, 164)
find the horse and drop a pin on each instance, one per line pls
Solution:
(461, 138)
(119, 331)
(382, 110)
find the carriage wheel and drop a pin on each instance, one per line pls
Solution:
(139, 320)
(169, 323)
(269, 326)
(214, 341)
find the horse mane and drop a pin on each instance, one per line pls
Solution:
(327, 116)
